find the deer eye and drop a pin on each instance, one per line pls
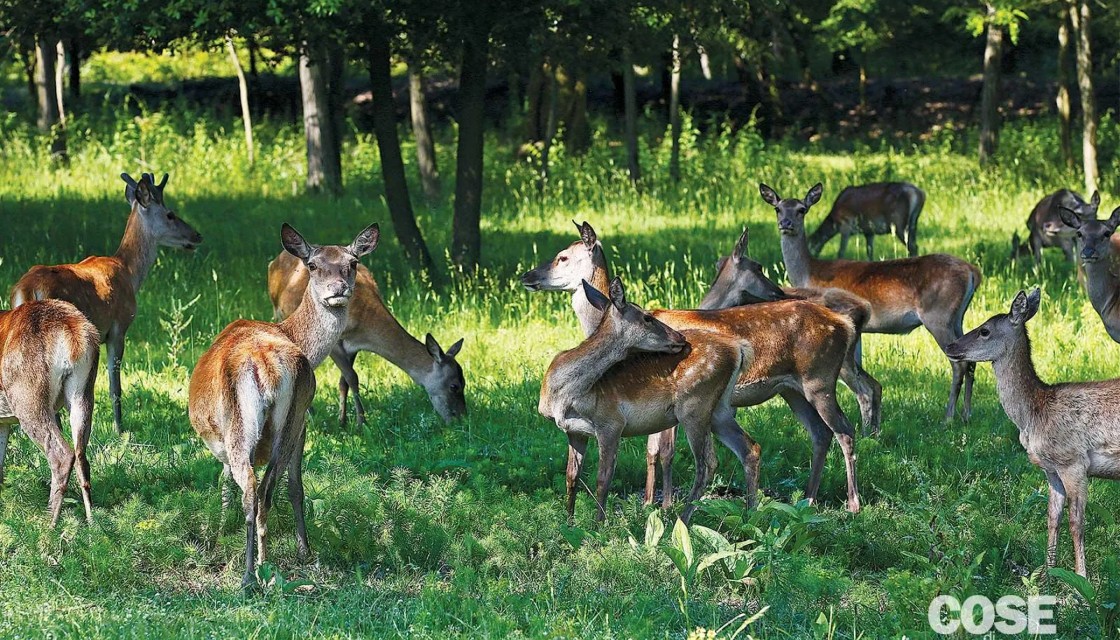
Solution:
(455, 387)
(562, 259)
(985, 332)
(170, 216)
(647, 318)
(311, 267)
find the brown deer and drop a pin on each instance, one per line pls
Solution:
(636, 376)
(1046, 228)
(1100, 257)
(48, 360)
(372, 327)
(799, 348)
(105, 288)
(250, 391)
(1071, 430)
(740, 280)
(933, 291)
(872, 209)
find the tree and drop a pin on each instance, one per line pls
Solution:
(1062, 100)
(1079, 16)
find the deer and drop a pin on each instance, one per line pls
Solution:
(1070, 430)
(740, 280)
(933, 290)
(372, 327)
(250, 391)
(1099, 258)
(1046, 227)
(104, 288)
(636, 376)
(872, 209)
(48, 360)
(799, 348)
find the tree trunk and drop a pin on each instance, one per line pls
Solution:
(321, 170)
(74, 52)
(989, 96)
(49, 120)
(335, 69)
(577, 133)
(253, 55)
(550, 124)
(618, 95)
(631, 117)
(466, 237)
(675, 111)
(1080, 15)
(389, 147)
(422, 132)
(1063, 101)
(28, 53)
(60, 80)
(535, 116)
(243, 91)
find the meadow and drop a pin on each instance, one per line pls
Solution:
(421, 529)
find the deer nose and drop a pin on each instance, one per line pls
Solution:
(786, 226)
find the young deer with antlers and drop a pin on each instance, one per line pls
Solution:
(1100, 256)
(933, 291)
(372, 327)
(48, 360)
(740, 280)
(872, 209)
(250, 391)
(798, 349)
(635, 376)
(1070, 430)
(105, 288)
(1047, 228)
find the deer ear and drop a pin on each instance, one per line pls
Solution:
(588, 235)
(1034, 299)
(433, 347)
(617, 293)
(814, 195)
(595, 297)
(143, 191)
(163, 182)
(1095, 200)
(769, 195)
(1069, 218)
(719, 263)
(366, 241)
(1113, 220)
(130, 188)
(455, 348)
(741, 246)
(1025, 306)
(294, 243)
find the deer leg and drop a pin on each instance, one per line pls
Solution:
(843, 244)
(1054, 516)
(608, 455)
(667, 450)
(870, 238)
(653, 448)
(1076, 484)
(42, 426)
(577, 449)
(265, 493)
(114, 349)
(946, 329)
(295, 496)
(5, 431)
(1036, 247)
(728, 431)
(819, 435)
(224, 482)
(80, 399)
(869, 393)
(823, 400)
(348, 379)
(246, 479)
(700, 441)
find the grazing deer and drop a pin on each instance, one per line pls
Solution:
(48, 360)
(799, 348)
(371, 327)
(250, 391)
(933, 291)
(636, 376)
(105, 288)
(1046, 227)
(1071, 430)
(1099, 255)
(740, 280)
(872, 209)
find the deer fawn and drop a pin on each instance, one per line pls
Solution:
(371, 327)
(250, 391)
(636, 376)
(740, 280)
(933, 291)
(105, 288)
(48, 360)
(799, 348)
(1046, 227)
(1099, 257)
(1071, 430)
(872, 209)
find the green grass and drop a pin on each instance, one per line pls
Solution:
(425, 530)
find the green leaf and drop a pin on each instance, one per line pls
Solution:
(712, 558)
(1078, 583)
(290, 587)
(574, 535)
(679, 561)
(683, 540)
(654, 529)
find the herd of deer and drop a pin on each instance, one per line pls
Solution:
(636, 373)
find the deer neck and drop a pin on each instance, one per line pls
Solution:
(795, 254)
(383, 335)
(137, 252)
(576, 370)
(1101, 283)
(588, 315)
(1020, 390)
(314, 327)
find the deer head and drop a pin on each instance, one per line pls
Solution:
(740, 280)
(332, 267)
(445, 383)
(570, 267)
(791, 211)
(1094, 235)
(998, 336)
(630, 325)
(162, 224)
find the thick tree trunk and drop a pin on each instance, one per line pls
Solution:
(422, 132)
(466, 237)
(335, 69)
(535, 95)
(254, 53)
(550, 123)
(618, 95)
(74, 52)
(1062, 101)
(322, 171)
(989, 96)
(675, 111)
(1080, 15)
(49, 120)
(577, 133)
(631, 117)
(243, 92)
(389, 147)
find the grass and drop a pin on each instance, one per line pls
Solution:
(425, 530)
